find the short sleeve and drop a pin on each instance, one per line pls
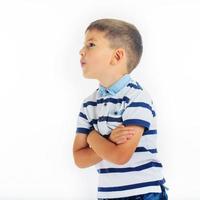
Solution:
(83, 125)
(139, 111)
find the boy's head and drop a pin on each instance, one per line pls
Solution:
(111, 46)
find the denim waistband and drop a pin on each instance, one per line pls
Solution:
(163, 195)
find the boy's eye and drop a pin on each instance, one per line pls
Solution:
(91, 44)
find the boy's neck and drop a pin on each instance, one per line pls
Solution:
(109, 81)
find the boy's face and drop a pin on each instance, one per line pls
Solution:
(96, 55)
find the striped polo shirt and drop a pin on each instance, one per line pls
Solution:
(127, 103)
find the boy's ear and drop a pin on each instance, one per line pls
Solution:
(118, 55)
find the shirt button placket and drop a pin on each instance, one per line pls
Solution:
(105, 104)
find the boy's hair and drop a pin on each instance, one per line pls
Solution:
(121, 34)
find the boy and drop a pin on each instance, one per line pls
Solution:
(116, 127)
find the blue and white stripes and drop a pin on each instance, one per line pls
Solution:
(124, 103)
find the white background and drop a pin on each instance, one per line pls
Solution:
(42, 87)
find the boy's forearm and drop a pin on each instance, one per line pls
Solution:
(86, 157)
(103, 147)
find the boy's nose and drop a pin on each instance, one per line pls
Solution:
(81, 52)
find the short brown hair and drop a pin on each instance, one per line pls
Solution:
(121, 34)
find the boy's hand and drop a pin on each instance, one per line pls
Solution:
(121, 134)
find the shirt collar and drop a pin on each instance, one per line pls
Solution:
(116, 87)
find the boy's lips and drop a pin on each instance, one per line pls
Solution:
(82, 62)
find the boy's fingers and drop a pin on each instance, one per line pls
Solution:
(122, 127)
(129, 136)
(125, 132)
(121, 141)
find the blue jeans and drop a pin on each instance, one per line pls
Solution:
(149, 196)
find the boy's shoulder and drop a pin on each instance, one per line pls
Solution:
(137, 90)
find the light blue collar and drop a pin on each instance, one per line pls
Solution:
(116, 87)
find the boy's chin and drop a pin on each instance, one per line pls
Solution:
(88, 76)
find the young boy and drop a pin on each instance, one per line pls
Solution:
(116, 127)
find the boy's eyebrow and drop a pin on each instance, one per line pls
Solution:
(91, 39)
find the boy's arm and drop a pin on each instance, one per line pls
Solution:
(118, 154)
(84, 156)
(138, 115)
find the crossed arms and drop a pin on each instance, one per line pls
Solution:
(118, 149)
